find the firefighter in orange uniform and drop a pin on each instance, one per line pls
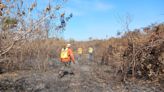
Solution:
(66, 57)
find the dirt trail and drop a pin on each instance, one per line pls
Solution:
(88, 77)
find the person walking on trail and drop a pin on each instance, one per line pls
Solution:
(66, 57)
(90, 52)
(79, 51)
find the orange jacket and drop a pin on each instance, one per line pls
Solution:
(70, 58)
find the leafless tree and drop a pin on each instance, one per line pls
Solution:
(23, 20)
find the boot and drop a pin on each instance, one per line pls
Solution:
(61, 74)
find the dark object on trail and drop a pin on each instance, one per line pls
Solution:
(63, 73)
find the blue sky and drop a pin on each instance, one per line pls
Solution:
(104, 18)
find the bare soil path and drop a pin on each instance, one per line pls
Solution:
(88, 77)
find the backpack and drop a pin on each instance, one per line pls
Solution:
(90, 50)
(80, 50)
(64, 53)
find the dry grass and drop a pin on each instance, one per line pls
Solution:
(125, 54)
(137, 54)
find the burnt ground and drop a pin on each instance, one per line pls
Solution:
(88, 77)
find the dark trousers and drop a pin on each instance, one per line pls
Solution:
(66, 67)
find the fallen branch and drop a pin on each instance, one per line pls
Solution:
(8, 49)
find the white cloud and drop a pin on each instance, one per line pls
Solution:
(82, 7)
(102, 6)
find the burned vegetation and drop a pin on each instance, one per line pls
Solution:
(138, 54)
(29, 59)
